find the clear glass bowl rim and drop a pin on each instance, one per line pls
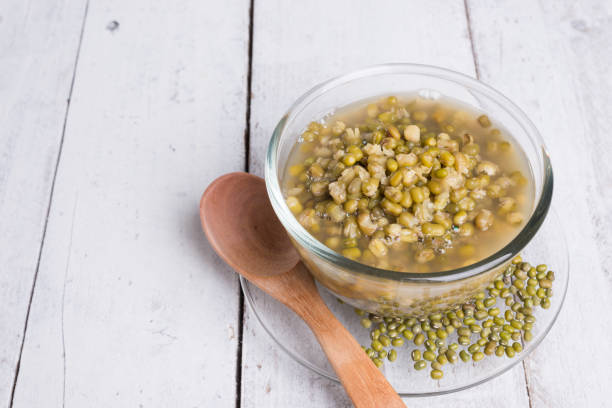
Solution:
(310, 243)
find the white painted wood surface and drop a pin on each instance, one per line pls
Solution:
(130, 306)
(563, 82)
(38, 47)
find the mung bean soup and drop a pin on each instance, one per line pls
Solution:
(409, 184)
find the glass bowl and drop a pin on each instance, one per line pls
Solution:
(389, 292)
(293, 336)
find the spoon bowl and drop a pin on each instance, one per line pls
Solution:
(241, 226)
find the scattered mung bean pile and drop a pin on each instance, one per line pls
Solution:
(409, 184)
(481, 327)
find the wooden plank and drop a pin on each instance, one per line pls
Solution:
(553, 59)
(38, 47)
(131, 307)
(295, 49)
(296, 45)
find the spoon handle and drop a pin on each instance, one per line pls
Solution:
(363, 381)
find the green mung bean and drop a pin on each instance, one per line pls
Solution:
(419, 365)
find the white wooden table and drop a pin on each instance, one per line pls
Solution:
(116, 114)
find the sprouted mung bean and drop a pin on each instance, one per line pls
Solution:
(463, 333)
(409, 184)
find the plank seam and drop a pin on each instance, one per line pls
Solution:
(471, 37)
(247, 129)
(247, 153)
(527, 384)
(44, 232)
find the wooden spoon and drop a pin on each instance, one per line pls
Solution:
(242, 228)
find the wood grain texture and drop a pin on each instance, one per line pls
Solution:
(132, 308)
(38, 49)
(296, 45)
(553, 59)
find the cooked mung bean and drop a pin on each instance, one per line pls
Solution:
(406, 185)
